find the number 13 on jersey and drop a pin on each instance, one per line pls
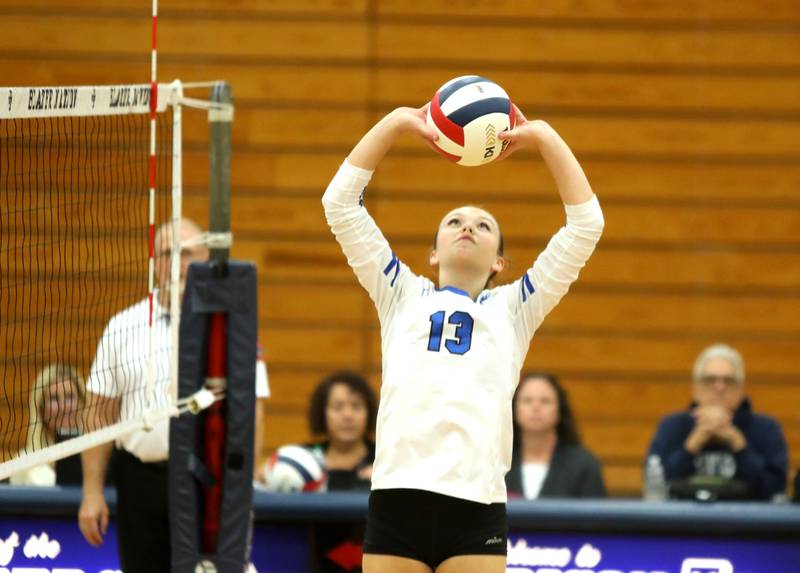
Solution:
(462, 341)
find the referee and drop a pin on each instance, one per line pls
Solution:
(116, 390)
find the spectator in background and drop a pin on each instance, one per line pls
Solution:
(719, 445)
(56, 401)
(548, 459)
(343, 409)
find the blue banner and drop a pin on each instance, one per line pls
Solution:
(55, 545)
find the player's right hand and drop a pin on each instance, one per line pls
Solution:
(93, 518)
(413, 120)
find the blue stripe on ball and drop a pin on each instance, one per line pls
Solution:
(466, 114)
(296, 465)
(455, 86)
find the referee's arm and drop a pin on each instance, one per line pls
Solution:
(100, 411)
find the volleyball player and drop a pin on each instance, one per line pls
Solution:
(452, 354)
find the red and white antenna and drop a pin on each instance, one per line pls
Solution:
(152, 201)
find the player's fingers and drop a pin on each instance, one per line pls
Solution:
(431, 145)
(426, 132)
(508, 135)
(519, 117)
(510, 148)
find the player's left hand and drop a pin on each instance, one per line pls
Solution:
(523, 135)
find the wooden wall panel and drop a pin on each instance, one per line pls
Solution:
(684, 114)
(528, 44)
(619, 92)
(174, 8)
(600, 11)
(130, 36)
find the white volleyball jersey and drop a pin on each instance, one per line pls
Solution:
(450, 363)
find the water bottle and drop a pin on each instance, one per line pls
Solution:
(655, 482)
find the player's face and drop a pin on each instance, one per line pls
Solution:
(61, 405)
(536, 408)
(189, 255)
(718, 385)
(346, 415)
(468, 238)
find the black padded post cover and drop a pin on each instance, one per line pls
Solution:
(234, 294)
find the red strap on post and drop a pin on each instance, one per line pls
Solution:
(215, 431)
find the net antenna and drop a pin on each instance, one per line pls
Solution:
(78, 252)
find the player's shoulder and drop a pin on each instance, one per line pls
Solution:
(500, 294)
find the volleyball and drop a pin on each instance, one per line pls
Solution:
(468, 113)
(294, 469)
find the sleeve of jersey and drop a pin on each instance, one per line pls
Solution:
(103, 373)
(540, 289)
(368, 253)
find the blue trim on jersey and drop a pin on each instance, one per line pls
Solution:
(525, 287)
(455, 290)
(466, 114)
(393, 264)
(455, 86)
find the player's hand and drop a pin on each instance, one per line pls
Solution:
(93, 518)
(413, 120)
(525, 134)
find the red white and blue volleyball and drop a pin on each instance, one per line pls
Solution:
(294, 469)
(468, 113)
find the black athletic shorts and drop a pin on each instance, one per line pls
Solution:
(430, 527)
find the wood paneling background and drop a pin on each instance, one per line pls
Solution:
(685, 115)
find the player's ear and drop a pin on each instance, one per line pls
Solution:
(434, 258)
(498, 265)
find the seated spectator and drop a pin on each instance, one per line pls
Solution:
(56, 401)
(343, 409)
(548, 459)
(719, 448)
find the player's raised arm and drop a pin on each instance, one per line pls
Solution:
(557, 267)
(368, 253)
(369, 151)
(573, 186)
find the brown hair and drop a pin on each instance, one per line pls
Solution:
(317, 421)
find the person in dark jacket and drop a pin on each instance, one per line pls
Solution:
(548, 459)
(719, 445)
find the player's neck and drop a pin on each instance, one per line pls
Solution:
(538, 447)
(472, 283)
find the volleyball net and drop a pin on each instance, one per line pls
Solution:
(89, 276)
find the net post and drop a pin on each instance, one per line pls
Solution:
(220, 119)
